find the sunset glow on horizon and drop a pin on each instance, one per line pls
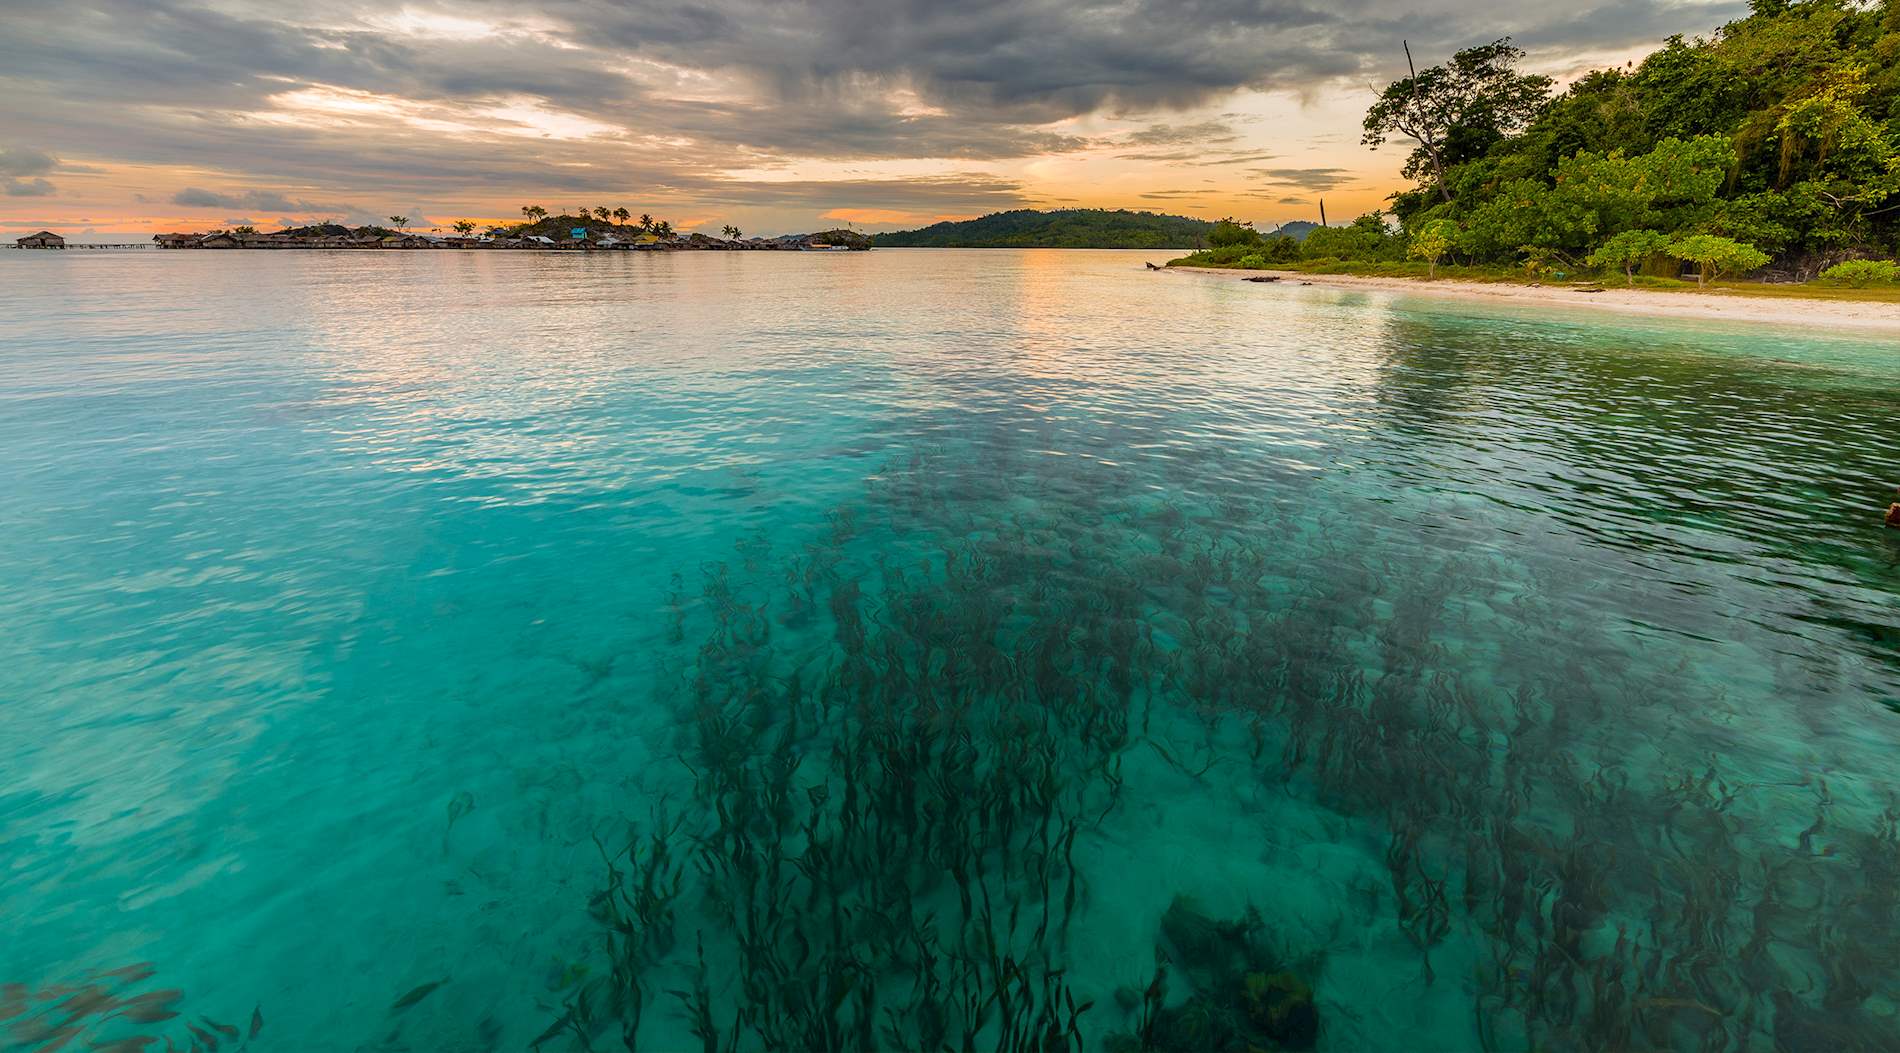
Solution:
(136, 117)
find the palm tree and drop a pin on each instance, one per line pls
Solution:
(603, 213)
(736, 234)
(465, 227)
(621, 216)
(646, 221)
(663, 228)
(399, 222)
(535, 213)
(726, 231)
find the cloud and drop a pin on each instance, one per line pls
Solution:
(192, 197)
(255, 200)
(1183, 135)
(1235, 159)
(20, 161)
(1313, 179)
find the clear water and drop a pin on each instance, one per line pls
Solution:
(1534, 678)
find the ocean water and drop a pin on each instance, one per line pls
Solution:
(926, 649)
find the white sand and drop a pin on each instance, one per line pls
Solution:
(1718, 305)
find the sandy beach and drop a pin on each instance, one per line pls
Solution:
(1717, 305)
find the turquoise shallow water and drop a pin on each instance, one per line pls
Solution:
(955, 637)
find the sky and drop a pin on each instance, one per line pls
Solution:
(776, 116)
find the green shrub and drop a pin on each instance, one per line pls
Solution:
(1282, 250)
(1431, 242)
(1628, 250)
(1716, 256)
(1366, 238)
(1859, 274)
(1227, 233)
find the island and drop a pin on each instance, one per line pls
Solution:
(603, 230)
(1070, 228)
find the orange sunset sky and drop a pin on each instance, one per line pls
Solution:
(774, 115)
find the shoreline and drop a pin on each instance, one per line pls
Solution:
(1862, 316)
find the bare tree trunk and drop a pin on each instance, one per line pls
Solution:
(1424, 139)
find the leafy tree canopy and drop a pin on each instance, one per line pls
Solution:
(1780, 131)
(1458, 111)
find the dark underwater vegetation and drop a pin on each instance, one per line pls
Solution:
(1072, 659)
(906, 742)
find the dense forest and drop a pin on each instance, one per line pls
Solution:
(1771, 146)
(1069, 228)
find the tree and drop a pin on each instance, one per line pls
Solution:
(244, 230)
(1432, 242)
(1457, 111)
(1628, 250)
(727, 231)
(602, 213)
(535, 213)
(1715, 256)
(465, 227)
(621, 216)
(399, 222)
(737, 233)
(1229, 232)
(663, 229)
(646, 221)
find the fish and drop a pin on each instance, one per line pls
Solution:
(223, 1029)
(257, 1022)
(416, 995)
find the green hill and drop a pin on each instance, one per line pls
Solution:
(1070, 228)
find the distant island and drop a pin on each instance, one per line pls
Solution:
(601, 229)
(1069, 228)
